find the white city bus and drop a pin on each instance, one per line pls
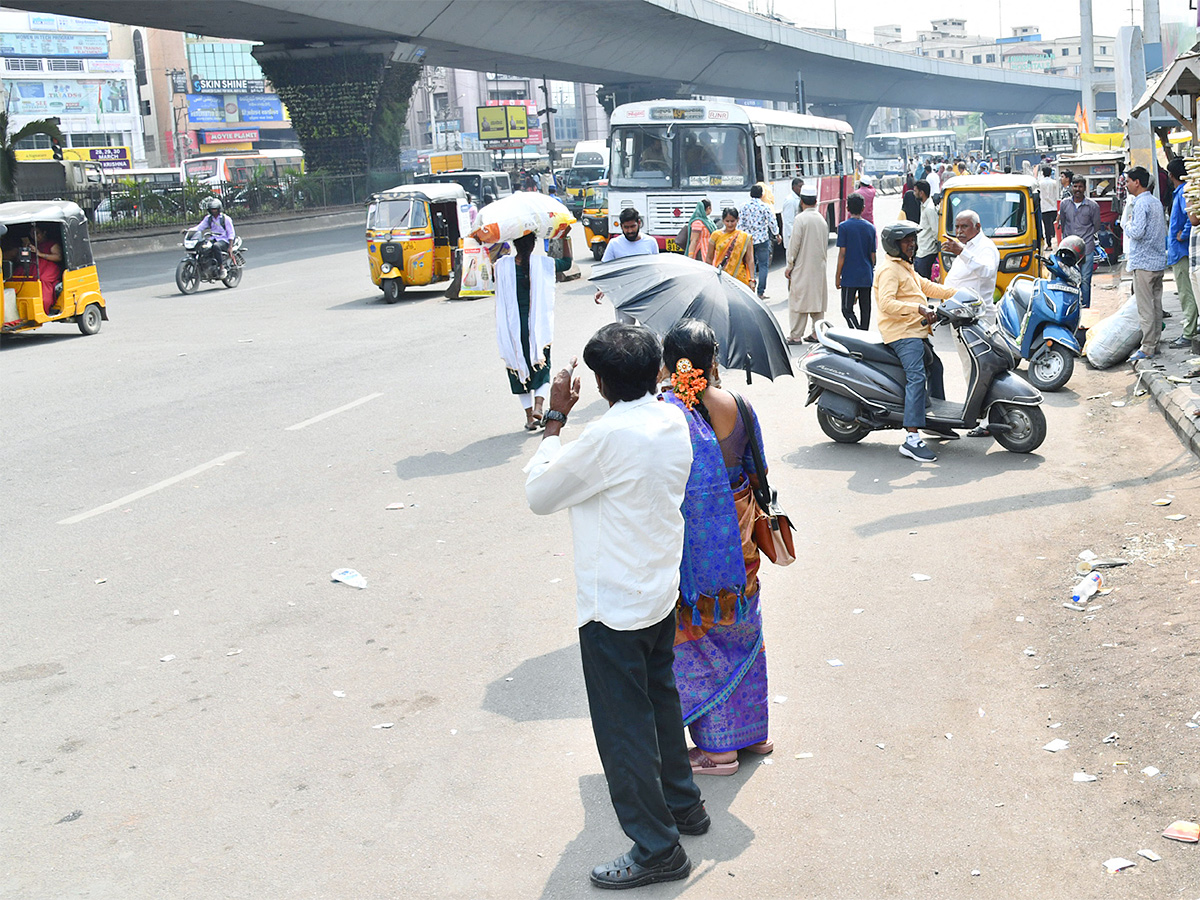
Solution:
(238, 168)
(1015, 145)
(895, 152)
(665, 155)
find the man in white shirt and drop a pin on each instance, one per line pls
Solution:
(791, 209)
(977, 261)
(630, 242)
(1048, 189)
(927, 242)
(623, 483)
(935, 181)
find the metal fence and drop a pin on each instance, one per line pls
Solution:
(126, 206)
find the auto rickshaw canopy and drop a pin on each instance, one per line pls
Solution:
(440, 192)
(77, 247)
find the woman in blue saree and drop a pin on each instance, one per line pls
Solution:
(720, 665)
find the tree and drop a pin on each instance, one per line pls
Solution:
(8, 147)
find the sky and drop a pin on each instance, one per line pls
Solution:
(991, 18)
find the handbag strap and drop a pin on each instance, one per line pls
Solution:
(728, 251)
(763, 493)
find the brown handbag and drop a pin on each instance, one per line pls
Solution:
(773, 528)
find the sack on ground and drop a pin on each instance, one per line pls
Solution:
(477, 279)
(1112, 340)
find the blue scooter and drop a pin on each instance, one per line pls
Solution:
(1039, 316)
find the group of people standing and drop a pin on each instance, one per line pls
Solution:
(659, 492)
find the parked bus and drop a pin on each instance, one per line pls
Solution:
(894, 153)
(666, 155)
(238, 168)
(158, 178)
(1015, 145)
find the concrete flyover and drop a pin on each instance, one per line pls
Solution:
(664, 47)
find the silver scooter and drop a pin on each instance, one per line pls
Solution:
(857, 383)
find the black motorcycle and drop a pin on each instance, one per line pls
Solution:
(201, 264)
(858, 385)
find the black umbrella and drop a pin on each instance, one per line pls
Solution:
(660, 290)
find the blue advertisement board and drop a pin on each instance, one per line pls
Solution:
(259, 108)
(206, 108)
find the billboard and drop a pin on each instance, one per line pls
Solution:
(67, 98)
(75, 46)
(260, 108)
(492, 122)
(206, 108)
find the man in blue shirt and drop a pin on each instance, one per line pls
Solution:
(1179, 234)
(1146, 256)
(856, 263)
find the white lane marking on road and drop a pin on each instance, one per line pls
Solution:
(333, 412)
(137, 495)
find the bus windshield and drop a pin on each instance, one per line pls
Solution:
(883, 146)
(397, 214)
(1001, 139)
(653, 156)
(1001, 213)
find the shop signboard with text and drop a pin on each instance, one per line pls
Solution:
(72, 46)
(228, 85)
(241, 136)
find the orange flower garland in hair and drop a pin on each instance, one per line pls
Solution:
(688, 382)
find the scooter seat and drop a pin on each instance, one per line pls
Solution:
(859, 344)
(1021, 290)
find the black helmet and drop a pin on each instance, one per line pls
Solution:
(1072, 250)
(213, 205)
(893, 234)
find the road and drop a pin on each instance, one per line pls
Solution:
(190, 707)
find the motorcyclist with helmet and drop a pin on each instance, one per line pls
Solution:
(905, 322)
(221, 227)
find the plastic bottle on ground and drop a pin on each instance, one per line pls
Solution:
(1086, 588)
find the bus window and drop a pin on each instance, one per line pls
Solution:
(717, 155)
(642, 157)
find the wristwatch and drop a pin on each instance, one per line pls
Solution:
(553, 415)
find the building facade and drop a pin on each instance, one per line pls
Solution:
(65, 68)
(442, 114)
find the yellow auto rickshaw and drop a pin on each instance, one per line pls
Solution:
(1008, 207)
(595, 218)
(415, 236)
(38, 288)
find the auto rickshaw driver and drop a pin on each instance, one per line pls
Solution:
(39, 257)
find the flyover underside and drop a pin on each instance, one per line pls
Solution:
(694, 47)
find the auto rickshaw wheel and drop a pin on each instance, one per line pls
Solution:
(598, 252)
(89, 320)
(392, 289)
(187, 276)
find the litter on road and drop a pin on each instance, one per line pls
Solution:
(1183, 830)
(835, 662)
(394, 506)
(339, 693)
(1149, 771)
(1150, 855)
(804, 755)
(1117, 863)
(1083, 777)
(1162, 501)
(1112, 738)
(350, 577)
(1029, 651)
(1057, 744)
(780, 698)
(1178, 517)
(917, 576)
(167, 658)
(384, 725)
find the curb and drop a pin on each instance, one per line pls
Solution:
(107, 248)
(1176, 402)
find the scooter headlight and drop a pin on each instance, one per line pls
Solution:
(385, 268)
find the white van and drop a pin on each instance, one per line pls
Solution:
(590, 153)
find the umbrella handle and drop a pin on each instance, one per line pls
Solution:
(749, 361)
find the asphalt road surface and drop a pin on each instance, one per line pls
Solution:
(190, 707)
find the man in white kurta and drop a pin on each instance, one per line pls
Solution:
(977, 263)
(791, 208)
(808, 293)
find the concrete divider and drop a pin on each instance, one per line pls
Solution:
(104, 247)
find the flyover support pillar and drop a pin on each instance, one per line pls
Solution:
(347, 102)
(857, 114)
